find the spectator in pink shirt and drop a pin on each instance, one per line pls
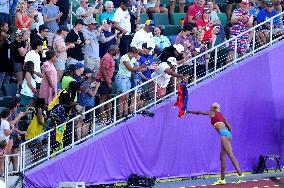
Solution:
(194, 12)
(105, 74)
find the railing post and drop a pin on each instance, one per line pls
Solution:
(6, 169)
(73, 133)
(194, 70)
(155, 90)
(135, 101)
(114, 110)
(21, 157)
(49, 144)
(215, 59)
(235, 50)
(253, 41)
(94, 122)
(271, 34)
(24, 157)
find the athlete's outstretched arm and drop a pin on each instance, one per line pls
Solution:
(197, 112)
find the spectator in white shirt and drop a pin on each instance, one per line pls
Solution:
(144, 35)
(34, 56)
(165, 71)
(91, 50)
(85, 12)
(122, 23)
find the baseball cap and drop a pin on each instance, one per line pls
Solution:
(179, 48)
(63, 28)
(71, 68)
(269, 3)
(79, 65)
(172, 60)
(150, 23)
(89, 21)
(145, 45)
(88, 70)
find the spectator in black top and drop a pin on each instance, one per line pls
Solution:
(75, 36)
(21, 46)
(4, 49)
(64, 7)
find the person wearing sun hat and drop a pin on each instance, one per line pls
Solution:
(263, 35)
(144, 35)
(242, 20)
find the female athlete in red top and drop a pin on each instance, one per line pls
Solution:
(224, 128)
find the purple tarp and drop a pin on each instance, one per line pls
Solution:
(252, 99)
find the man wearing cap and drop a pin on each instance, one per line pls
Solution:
(263, 36)
(165, 71)
(144, 35)
(91, 50)
(79, 70)
(51, 17)
(122, 23)
(76, 37)
(86, 12)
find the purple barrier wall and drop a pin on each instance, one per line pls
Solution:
(251, 97)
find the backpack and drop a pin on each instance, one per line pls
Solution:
(261, 165)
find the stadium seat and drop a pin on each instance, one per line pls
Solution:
(161, 19)
(171, 30)
(143, 17)
(223, 18)
(165, 2)
(176, 17)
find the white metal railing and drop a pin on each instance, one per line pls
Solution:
(7, 171)
(28, 160)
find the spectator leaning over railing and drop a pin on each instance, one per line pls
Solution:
(122, 79)
(51, 17)
(165, 71)
(60, 49)
(28, 90)
(86, 12)
(105, 75)
(241, 20)
(160, 40)
(194, 12)
(76, 37)
(48, 86)
(122, 23)
(4, 10)
(23, 19)
(109, 11)
(144, 35)
(20, 46)
(263, 35)
(91, 50)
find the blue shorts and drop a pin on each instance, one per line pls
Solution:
(123, 83)
(225, 132)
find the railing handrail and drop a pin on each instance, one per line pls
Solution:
(270, 20)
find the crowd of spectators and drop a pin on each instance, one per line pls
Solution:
(62, 72)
